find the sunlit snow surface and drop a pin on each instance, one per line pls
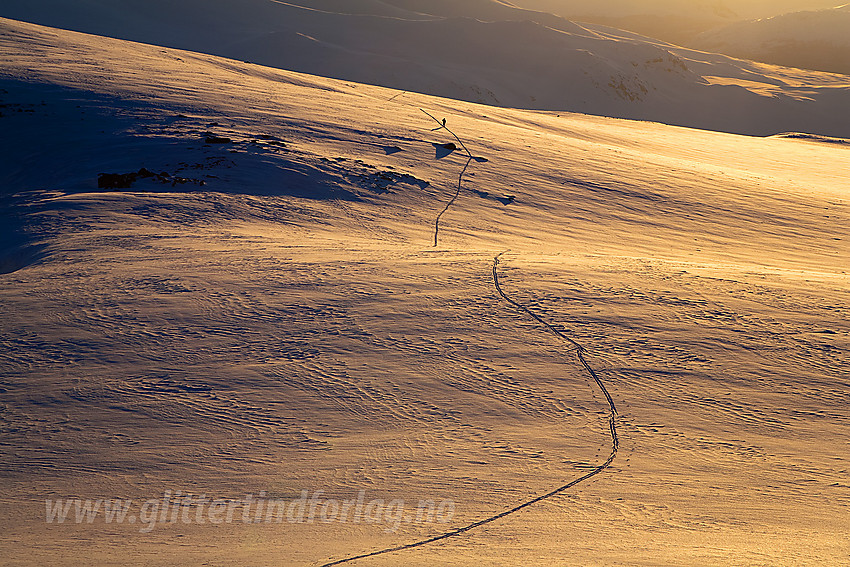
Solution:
(287, 325)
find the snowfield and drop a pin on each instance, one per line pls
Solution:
(251, 304)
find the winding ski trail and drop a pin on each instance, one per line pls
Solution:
(451, 202)
(576, 346)
(612, 425)
(469, 158)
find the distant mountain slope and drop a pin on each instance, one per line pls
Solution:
(669, 20)
(736, 9)
(674, 21)
(811, 40)
(505, 57)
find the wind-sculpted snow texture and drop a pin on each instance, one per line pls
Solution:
(220, 279)
(615, 442)
(580, 354)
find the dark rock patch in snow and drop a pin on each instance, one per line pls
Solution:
(813, 138)
(381, 181)
(126, 180)
(442, 150)
(213, 139)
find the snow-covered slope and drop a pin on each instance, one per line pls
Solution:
(812, 40)
(674, 21)
(754, 9)
(262, 312)
(694, 9)
(503, 56)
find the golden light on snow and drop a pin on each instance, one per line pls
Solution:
(224, 305)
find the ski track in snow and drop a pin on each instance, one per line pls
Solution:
(469, 159)
(451, 202)
(575, 346)
(612, 425)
